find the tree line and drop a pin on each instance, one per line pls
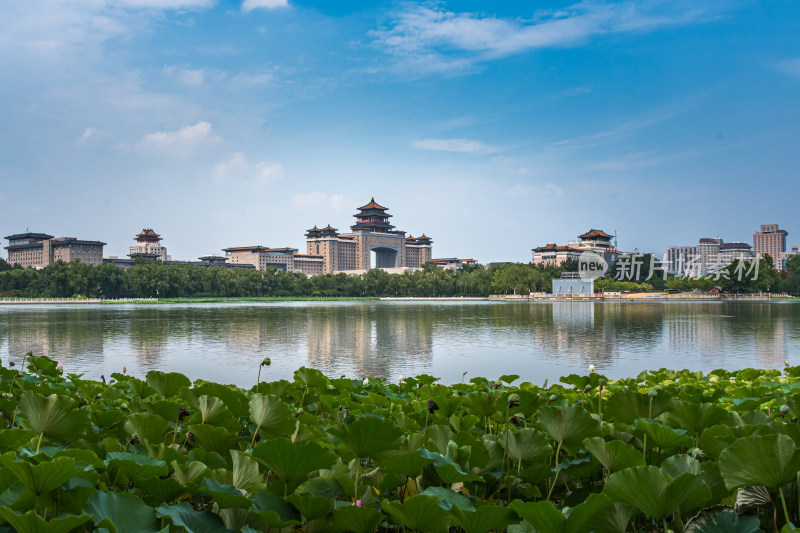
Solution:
(153, 279)
(148, 279)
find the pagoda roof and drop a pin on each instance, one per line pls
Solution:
(148, 233)
(315, 228)
(552, 247)
(373, 205)
(329, 228)
(595, 233)
(255, 249)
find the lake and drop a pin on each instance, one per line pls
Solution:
(538, 341)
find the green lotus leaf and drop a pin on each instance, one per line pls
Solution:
(418, 513)
(190, 472)
(226, 496)
(137, 466)
(310, 377)
(86, 457)
(695, 417)
(569, 425)
(409, 465)
(55, 416)
(463, 422)
(715, 439)
(107, 419)
(214, 412)
(614, 519)
(547, 519)
(213, 439)
(321, 487)
(355, 519)
(160, 490)
(485, 404)
(246, 475)
(680, 464)
(770, 460)
(122, 511)
(167, 384)
(212, 460)
(311, 507)
(483, 519)
(367, 436)
(148, 427)
(14, 438)
(44, 477)
(233, 398)
(272, 417)
(274, 512)
(30, 522)
(528, 444)
(626, 405)
(722, 519)
(448, 498)
(646, 488)
(292, 463)
(614, 455)
(183, 514)
(448, 470)
(661, 436)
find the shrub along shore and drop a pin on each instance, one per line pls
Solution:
(664, 451)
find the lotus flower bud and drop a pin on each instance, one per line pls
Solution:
(587, 388)
(366, 382)
(60, 366)
(359, 503)
(401, 378)
(124, 369)
(784, 409)
(266, 362)
(786, 362)
(513, 400)
(11, 363)
(419, 385)
(653, 392)
(432, 406)
(552, 398)
(517, 419)
(591, 368)
(182, 412)
(103, 379)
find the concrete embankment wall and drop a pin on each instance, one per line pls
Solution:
(638, 297)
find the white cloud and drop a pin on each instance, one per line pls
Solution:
(88, 133)
(790, 66)
(239, 169)
(452, 145)
(180, 142)
(249, 5)
(549, 190)
(431, 39)
(193, 77)
(165, 4)
(320, 200)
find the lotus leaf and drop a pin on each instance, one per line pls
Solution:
(569, 425)
(770, 460)
(355, 519)
(614, 455)
(125, 512)
(271, 416)
(30, 522)
(418, 513)
(55, 416)
(483, 519)
(182, 514)
(167, 384)
(367, 436)
(646, 488)
(722, 519)
(293, 462)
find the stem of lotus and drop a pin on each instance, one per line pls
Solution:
(253, 440)
(555, 479)
(358, 473)
(426, 427)
(507, 464)
(665, 525)
(258, 380)
(38, 444)
(783, 504)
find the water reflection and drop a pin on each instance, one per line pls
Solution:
(537, 341)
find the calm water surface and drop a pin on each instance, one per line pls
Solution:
(226, 342)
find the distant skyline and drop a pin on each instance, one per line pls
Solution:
(491, 127)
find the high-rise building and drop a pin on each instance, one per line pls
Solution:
(731, 252)
(679, 258)
(39, 250)
(771, 240)
(707, 253)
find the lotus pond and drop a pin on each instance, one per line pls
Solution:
(664, 451)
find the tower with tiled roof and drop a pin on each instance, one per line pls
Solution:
(372, 217)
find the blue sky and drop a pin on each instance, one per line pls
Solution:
(492, 127)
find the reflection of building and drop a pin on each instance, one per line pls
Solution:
(594, 240)
(369, 340)
(60, 334)
(570, 283)
(372, 232)
(148, 246)
(39, 250)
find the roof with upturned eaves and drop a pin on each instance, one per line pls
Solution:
(595, 233)
(373, 205)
